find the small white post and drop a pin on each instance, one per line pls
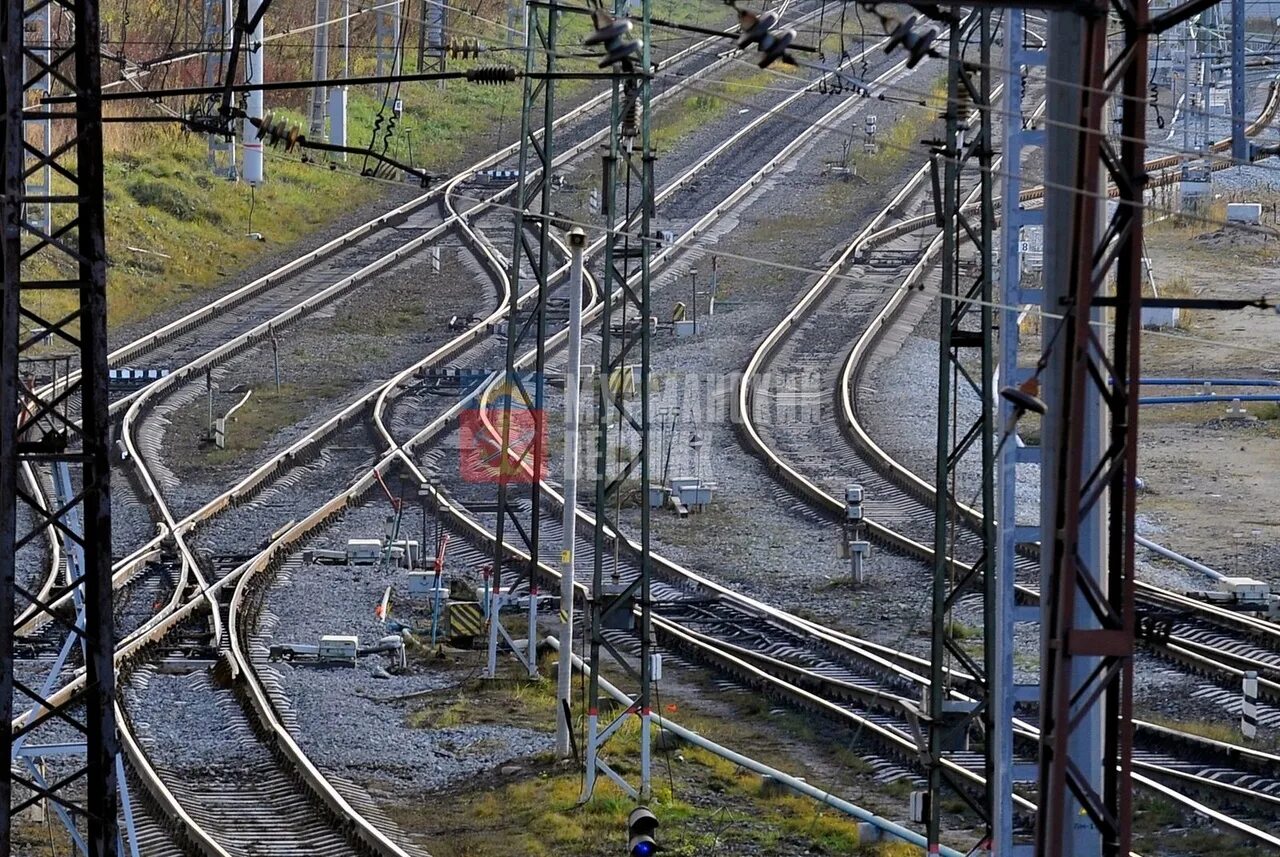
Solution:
(1249, 706)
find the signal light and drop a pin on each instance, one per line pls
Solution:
(641, 825)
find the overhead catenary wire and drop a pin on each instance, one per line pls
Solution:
(1146, 207)
(1219, 159)
(1002, 173)
(1000, 69)
(809, 271)
(1211, 156)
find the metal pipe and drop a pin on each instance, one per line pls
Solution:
(1222, 382)
(888, 827)
(1239, 143)
(572, 369)
(1177, 557)
(1200, 399)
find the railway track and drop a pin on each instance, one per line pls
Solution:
(265, 303)
(241, 591)
(892, 507)
(299, 531)
(171, 616)
(263, 561)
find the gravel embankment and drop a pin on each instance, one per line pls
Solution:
(346, 718)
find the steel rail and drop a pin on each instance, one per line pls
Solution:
(482, 534)
(170, 617)
(31, 619)
(789, 475)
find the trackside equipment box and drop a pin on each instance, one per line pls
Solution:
(363, 551)
(338, 648)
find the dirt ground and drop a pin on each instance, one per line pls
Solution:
(1210, 482)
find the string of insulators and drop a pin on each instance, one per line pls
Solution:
(759, 30)
(275, 133)
(495, 75)
(630, 114)
(614, 34)
(914, 42)
(464, 48)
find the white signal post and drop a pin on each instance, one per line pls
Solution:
(253, 172)
(572, 368)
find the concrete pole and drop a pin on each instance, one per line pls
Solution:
(572, 368)
(1186, 88)
(338, 94)
(253, 168)
(320, 71)
(1066, 39)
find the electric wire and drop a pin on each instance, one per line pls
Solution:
(855, 280)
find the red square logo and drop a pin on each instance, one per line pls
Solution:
(480, 445)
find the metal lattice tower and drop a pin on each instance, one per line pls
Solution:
(1018, 528)
(48, 421)
(38, 25)
(622, 423)
(966, 329)
(432, 44)
(1093, 260)
(523, 392)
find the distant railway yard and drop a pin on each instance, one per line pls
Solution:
(809, 428)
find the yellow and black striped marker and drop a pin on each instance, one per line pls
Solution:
(465, 619)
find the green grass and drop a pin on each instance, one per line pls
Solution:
(703, 108)
(1228, 733)
(261, 417)
(173, 230)
(1267, 410)
(706, 804)
(900, 141)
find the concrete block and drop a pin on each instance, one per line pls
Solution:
(1244, 212)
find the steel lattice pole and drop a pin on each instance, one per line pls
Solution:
(38, 423)
(628, 167)
(966, 324)
(537, 157)
(1088, 607)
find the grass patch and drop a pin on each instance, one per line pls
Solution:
(1156, 826)
(705, 804)
(266, 413)
(900, 140)
(173, 230)
(1266, 410)
(703, 108)
(1228, 733)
